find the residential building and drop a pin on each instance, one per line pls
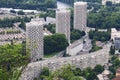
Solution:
(63, 22)
(114, 33)
(117, 43)
(80, 15)
(34, 40)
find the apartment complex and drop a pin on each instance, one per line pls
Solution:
(34, 40)
(80, 15)
(63, 23)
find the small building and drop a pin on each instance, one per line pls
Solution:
(114, 33)
(117, 43)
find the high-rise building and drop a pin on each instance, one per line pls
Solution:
(80, 15)
(34, 40)
(63, 22)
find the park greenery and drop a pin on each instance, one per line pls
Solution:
(28, 4)
(99, 35)
(6, 22)
(48, 13)
(76, 34)
(50, 27)
(105, 18)
(22, 25)
(55, 43)
(12, 57)
(115, 61)
(68, 72)
(95, 47)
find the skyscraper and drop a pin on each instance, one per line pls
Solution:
(34, 40)
(63, 23)
(80, 15)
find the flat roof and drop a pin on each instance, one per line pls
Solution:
(80, 3)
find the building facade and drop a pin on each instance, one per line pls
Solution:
(117, 42)
(80, 15)
(63, 23)
(34, 40)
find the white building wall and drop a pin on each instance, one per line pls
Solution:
(80, 15)
(34, 40)
(63, 23)
(75, 48)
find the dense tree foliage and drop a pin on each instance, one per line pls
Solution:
(107, 18)
(69, 72)
(12, 57)
(112, 50)
(22, 25)
(99, 35)
(98, 69)
(10, 22)
(55, 43)
(20, 13)
(50, 27)
(115, 65)
(48, 13)
(28, 4)
(76, 34)
(94, 46)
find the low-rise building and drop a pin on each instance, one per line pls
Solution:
(117, 42)
(114, 33)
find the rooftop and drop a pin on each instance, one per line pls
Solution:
(80, 3)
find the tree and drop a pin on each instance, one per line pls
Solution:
(92, 76)
(76, 34)
(20, 13)
(55, 43)
(10, 59)
(112, 50)
(108, 3)
(22, 25)
(77, 72)
(98, 69)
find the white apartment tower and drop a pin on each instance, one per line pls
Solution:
(63, 22)
(80, 15)
(34, 40)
